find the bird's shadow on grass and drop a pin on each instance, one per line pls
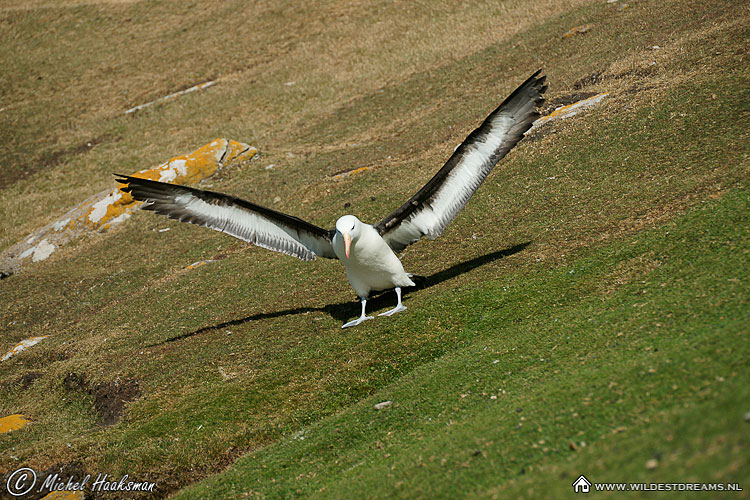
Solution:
(347, 310)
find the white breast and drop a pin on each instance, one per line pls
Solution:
(371, 265)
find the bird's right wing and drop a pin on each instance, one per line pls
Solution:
(244, 220)
(433, 207)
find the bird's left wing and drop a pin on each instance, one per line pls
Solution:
(434, 206)
(244, 220)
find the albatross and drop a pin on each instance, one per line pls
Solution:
(368, 252)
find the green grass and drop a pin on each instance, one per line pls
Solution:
(610, 283)
(652, 368)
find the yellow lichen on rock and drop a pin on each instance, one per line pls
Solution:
(350, 172)
(64, 495)
(22, 346)
(577, 30)
(109, 207)
(186, 169)
(12, 423)
(570, 109)
(200, 263)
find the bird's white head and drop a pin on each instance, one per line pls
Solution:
(349, 227)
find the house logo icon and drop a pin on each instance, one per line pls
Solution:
(581, 485)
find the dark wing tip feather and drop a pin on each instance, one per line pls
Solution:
(147, 189)
(160, 198)
(122, 178)
(522, 106)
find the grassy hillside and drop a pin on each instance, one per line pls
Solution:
(585, 314)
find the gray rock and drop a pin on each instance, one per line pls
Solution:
(384, 404)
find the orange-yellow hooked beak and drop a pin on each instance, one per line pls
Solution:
(347, 243)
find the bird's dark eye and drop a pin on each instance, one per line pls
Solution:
(352, 227)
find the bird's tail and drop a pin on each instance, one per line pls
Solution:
(417, 281)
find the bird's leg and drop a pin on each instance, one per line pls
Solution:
(399, 307)
(361, 318)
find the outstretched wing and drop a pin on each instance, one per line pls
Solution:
(433, 207)
(244, 220)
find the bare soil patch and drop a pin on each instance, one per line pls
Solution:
(110, 398)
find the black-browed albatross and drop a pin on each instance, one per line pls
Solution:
(367, 251)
